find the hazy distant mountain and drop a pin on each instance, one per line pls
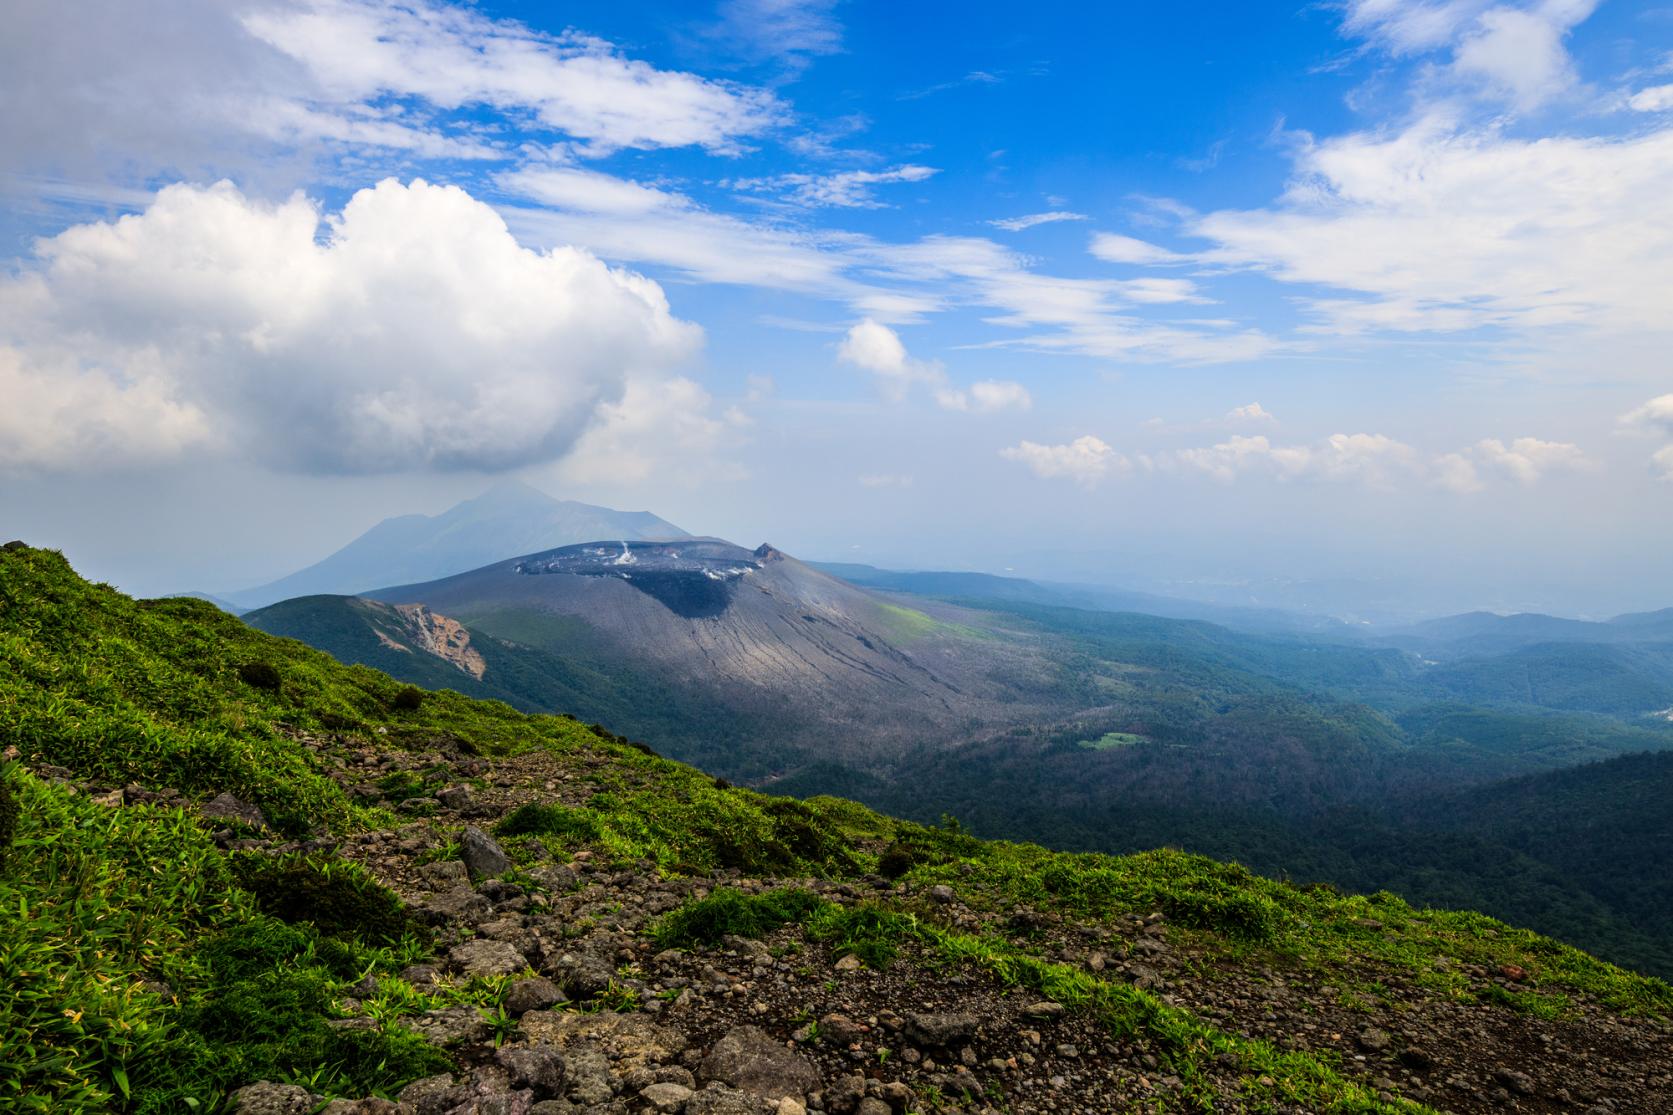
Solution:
(990, 587)
(220, 602)
(505, 521)
(1479, 633)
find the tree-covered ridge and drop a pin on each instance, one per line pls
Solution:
(157, 953)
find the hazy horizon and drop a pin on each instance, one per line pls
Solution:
(1359, 308)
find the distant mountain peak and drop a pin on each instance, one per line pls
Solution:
(509, 520)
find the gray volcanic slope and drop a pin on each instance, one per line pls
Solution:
(510, 518)
(777, 642)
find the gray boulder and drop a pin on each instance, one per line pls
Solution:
(748, 1059)
(484, 859)
(488, 958)
(228, 808)
(940, 1031)
(264, 1098)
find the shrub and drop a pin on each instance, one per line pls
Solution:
(260, 675)
(728, 912)
(336, 896)
(409, 698)
(897, 859)
(1249, 917)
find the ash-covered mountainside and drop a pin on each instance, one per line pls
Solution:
(786, 653)
(693, 578)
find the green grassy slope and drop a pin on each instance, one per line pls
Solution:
(147, 968)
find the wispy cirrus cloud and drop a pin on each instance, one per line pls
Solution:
(848, 189)
(1031, 220)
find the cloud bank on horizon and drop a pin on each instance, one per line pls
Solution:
(356, 237)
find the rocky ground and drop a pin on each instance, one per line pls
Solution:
(595, 1019)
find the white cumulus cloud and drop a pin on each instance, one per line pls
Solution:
(1087, 460)
(878, 349)
(1656, 98)
(1252, 412)
(1373, 459)
(1655, 416)
(408, 331)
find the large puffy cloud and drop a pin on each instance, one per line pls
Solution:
(409, 331)
(1086, 460)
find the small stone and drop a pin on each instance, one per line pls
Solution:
(1044, 1010)
(941, 893)
(264, 1098)
(1373, 1040)
(722, 1101)
(539, 1067)
(461, 904)
(445, 875)
(488, 958)
(939, 1031)
(483, 858)
(228, 808)
(666, 1097)
(849, 963)
(450, 1026)
(458, 798)
(537, 993)
(841, 1029)
(791, 1106)
(1519, 1082)
(426, 1092)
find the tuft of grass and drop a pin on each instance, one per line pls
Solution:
(536, 819)
(730, 913)
(336, 896)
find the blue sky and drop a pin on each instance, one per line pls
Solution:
(1215, 299)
